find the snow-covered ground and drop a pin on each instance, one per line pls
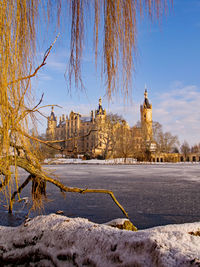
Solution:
(108, 161)
(91, 161)
(56, 240)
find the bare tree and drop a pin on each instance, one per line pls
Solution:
(165, 141)
(195, 148)
(109, 134)
(124, 146)
(18, 24)
(185, 149)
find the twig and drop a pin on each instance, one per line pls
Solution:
(40, 66)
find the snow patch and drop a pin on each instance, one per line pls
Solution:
(56, 240)
(91, 161)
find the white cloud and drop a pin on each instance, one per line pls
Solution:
(178, 111)
(59, 60)
(44, 77)
(56, 65)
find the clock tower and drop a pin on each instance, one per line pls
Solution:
(146, 118)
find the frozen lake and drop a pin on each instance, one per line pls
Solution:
(151, 194)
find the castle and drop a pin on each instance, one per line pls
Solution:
(80, 134)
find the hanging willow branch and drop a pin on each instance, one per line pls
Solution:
(114, 37)
(116, 20)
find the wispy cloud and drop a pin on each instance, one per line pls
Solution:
(57, 65)
(178, 111)
(58, 61)
(44, 77)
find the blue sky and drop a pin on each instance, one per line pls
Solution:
(168, 62)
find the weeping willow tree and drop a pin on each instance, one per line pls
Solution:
(18, 24)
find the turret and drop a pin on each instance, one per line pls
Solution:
(51, 125)
(100, 112)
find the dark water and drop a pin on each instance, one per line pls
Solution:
(151, 194)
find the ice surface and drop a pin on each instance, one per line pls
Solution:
(152, 194)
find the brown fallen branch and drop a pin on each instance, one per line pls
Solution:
(26, 165)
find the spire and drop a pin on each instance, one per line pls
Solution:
(100, 102)
(100, 110)
(146, 100)
(145, 94)
(52, 116)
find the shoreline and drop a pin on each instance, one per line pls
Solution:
(105, 162)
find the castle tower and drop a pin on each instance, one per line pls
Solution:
(146, 118)
(100, 113)
(51, 125)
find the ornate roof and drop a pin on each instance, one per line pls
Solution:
(100, 109)
(52, 116)
(146, 100)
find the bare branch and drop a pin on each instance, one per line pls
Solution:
(55, 141)
(24, 184)
(39, 67)
(26, 165)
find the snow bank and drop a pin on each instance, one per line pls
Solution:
(56, 240)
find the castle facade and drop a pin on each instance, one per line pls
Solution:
(91, 134)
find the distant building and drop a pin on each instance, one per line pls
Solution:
(79, 134)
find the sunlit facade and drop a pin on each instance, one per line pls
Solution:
(81, 134)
